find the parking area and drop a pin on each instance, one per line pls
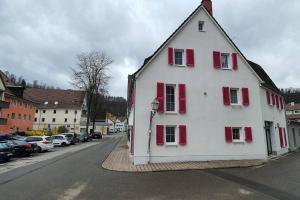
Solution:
(38, 157)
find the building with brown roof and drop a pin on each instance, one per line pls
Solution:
(57, 107)
(293, 112)
(17, 112)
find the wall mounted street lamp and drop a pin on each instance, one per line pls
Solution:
(154, 106)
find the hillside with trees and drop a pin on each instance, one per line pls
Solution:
(291, 95)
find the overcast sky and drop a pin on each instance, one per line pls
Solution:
(39, 39)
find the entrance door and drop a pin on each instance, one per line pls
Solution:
(268, 137)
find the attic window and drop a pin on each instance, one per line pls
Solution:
(46, 103)
(201, 26)
(56, 102)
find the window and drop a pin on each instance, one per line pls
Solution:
(35, 119)
(53, 119)
(75, 112)
(201, 26)
(75, 120)
(296, 111)
(36, 111)
(29, 117)
(43, 119)
(44, 111)
(179, 55)
(66, 120)
(24, 117)
(66, 112)
(225, 60)
(170, 135)
(170, 98)
(236, 135)
(234, 96)
(54, 111)
(19, 116)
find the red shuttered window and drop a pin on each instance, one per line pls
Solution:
(248, 134)
(182, 98)
(170, 56)
(245, 96)
(217, 59)
(228, 134)
(277, 101)
(226, 96)
(281, 103)
(160, 97)
(182, 135)
(234, 61)
(160, 135)
(190, 61)
(273, 99)
(280, 137)
(268, 97)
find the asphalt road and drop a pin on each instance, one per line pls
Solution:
(79, 175)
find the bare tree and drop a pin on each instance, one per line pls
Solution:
(91, 75)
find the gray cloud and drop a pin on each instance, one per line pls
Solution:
(40, 39)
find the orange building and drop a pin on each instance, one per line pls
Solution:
(17, 114)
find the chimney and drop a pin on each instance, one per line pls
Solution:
(208, 5)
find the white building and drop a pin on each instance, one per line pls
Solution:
(57, 108)
(214, 103)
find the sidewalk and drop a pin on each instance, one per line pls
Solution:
(118, 160)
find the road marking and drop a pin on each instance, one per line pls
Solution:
(245, 192)
(73, 192)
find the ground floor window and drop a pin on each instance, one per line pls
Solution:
(236, 134)
(170, 135)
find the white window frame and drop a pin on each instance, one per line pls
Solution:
(238, 96)
(175, 99)
(183, 57)
(241, 133)
(202, 24)
(175, 143)
(229, 63)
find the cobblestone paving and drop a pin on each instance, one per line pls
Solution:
(118, 160)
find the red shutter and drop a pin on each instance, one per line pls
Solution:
(182, 135)
(234, 61)
(161, 97)
(228, 134)
(273, 99)
(248, 134)
(276, 101)
(245, 93)
(281, 103)
(182, 98)
(190, 62)
(170, 56)
(226, 96)
(284, 134)
(160, 139)
(280, 137)
(217, 59)
(268, 97)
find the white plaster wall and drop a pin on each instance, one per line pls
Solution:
(206, 115)
(59, 116)
(277, 116)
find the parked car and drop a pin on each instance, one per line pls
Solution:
(44, 143)
(83, 137)
(21, 148)
(60, 140)
(6, 152)
(97, 135)
(72, 137)
(4, 137)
